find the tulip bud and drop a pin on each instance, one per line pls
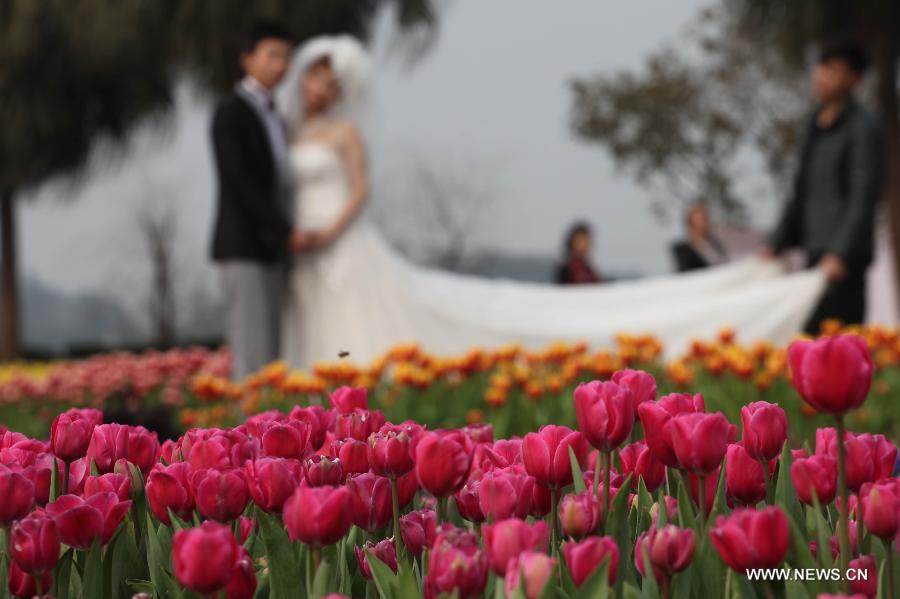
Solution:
(642, 386)
(322, 470)
(866, 585)
(204, 557)
(34, 543)
(506, 539)
(579, 514)
(220, 496)
(745, 480)
(457, 567)
(271, 481)
(816, 474)
(353, 455)
(418, 530)
(832, 374)
(346, 399)
(442, 463)
(656, 416)
(880, 503)
(765, 430)
(670, 550)
(390, 451)
(168, 487)
(384, 550)
(585, 557)
(370, 501)
(506, 493)
(18, 496)
(638, 460)
(751, 538)
(467, 502)
(119, 484)
(534, 568)
(70, 435)
(546, 454)
(22, 584)
(700, 441)
(318, 516)
(605, 413)
(243, 579)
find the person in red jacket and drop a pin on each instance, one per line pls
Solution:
(576, 268)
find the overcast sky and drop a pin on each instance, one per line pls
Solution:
(491, 95)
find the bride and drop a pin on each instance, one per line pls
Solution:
(351, 294)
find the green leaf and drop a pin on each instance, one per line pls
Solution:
(823, 535)
(177, 523)
(785, 495)
(157, 560)
(577, 474)
(54, 482)
(795, 588)
(284, 573)
(686, 517)
(62, 572)
(141, 586)
(323, 579)
(597, 584)
(649, 588)
(384, 578)
(92, 584)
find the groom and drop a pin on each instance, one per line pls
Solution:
(253, 233)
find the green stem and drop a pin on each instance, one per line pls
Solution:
(441, 509)
(701, 502)
(665, 587)
(770, 483)
(554, 520)
(843, 524)
(395, 502)
(889, 567)
(38, 585)
(607, 463)
(65, 482)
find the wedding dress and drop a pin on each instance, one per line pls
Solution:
(358, 296)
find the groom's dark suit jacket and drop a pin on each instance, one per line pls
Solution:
(250, 223)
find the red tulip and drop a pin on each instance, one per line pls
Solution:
(455, 567)
(880, 504)
(390, 451)
(642, 385)
(670, 550)
(540, 501)
(316, 419)
(204, 557)
(34, 543)
(817, 474)
(143, 448)
(866, 585)
(219, 495)
(869, 458)
(24, 585)
(656, 416)
(506, 539)
(113, 482)
(765, 430)
(503, 453)
(242, 584)
(700, 441)
(168, 487)
(18, 495)
(109, 443)
(546, 454)
(605, 413)
(579, 514)
(353, 455)
(711, 486)
(467, 501)
(370, 501)
(418, 530)
(745, 480)
(287, 440)
(322, 470)
(506, 493)
(638, 460)
(346, 399)
(832, 374)
(583, 558)
(80, 521)
(318, 516)
(384, 550)
(70, 435)
(750, 539)
(214, 452)
(532, 568)
(442, 463)
(271, 481)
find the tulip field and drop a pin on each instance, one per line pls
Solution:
(563, 473)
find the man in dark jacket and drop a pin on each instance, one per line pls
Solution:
(253, 233)
(831, 211)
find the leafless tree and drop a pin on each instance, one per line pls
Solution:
(158, 228)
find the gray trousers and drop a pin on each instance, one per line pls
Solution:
(253, 300)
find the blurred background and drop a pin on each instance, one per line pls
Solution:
(496, 125)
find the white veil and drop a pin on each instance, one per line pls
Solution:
(351, 65)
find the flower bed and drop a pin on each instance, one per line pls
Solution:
(647, 494)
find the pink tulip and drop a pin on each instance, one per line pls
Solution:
(605, 413)
(546, 454)
(751, 539)
(765, 430)
(816, 474)
(832, 374)
(745, 478)
(700, 441)
(583, 558)
(506, 539)
(638, 460)
(532, 568)
(656, 416)
(642, 385)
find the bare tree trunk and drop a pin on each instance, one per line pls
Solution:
(886, 63)
(9, 349)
